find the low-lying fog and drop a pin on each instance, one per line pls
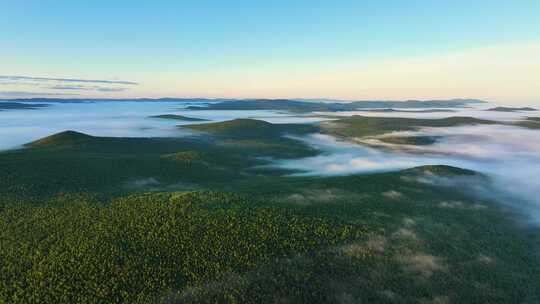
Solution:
(117, 119)
(510, 155)
(483, 114)
(476, 110)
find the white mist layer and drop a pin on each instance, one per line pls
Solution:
(476, 110)
(116, 119)
(509, 155)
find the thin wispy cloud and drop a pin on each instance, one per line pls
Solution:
(86, 88)
(73, 80)
(102, 89)
(68, 88)
(23, 86)
(18, 94)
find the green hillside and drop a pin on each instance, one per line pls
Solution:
(62, 140)
(304, 239)
(260, 137)
(72, 161)
(249, 128)
(203, 219)
(360, 126)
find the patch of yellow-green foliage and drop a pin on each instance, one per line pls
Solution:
(184, 157)
(138, 248)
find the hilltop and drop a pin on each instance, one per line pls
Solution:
(510, 109)
(251, 128)
(63, 139)
(390, 110)
(178, 117)
(441, 170)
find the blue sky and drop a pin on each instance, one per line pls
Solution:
(336, 49)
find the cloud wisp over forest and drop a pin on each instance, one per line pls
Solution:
(508, 155)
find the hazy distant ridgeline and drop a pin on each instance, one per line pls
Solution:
(291, 105)
(304, 106)
(82, 100)
(20, 106)
(512, 109)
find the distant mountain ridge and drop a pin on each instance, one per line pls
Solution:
(19, 106)
(306, 106)
(289, 105)
(76, 100)
(511, 109)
